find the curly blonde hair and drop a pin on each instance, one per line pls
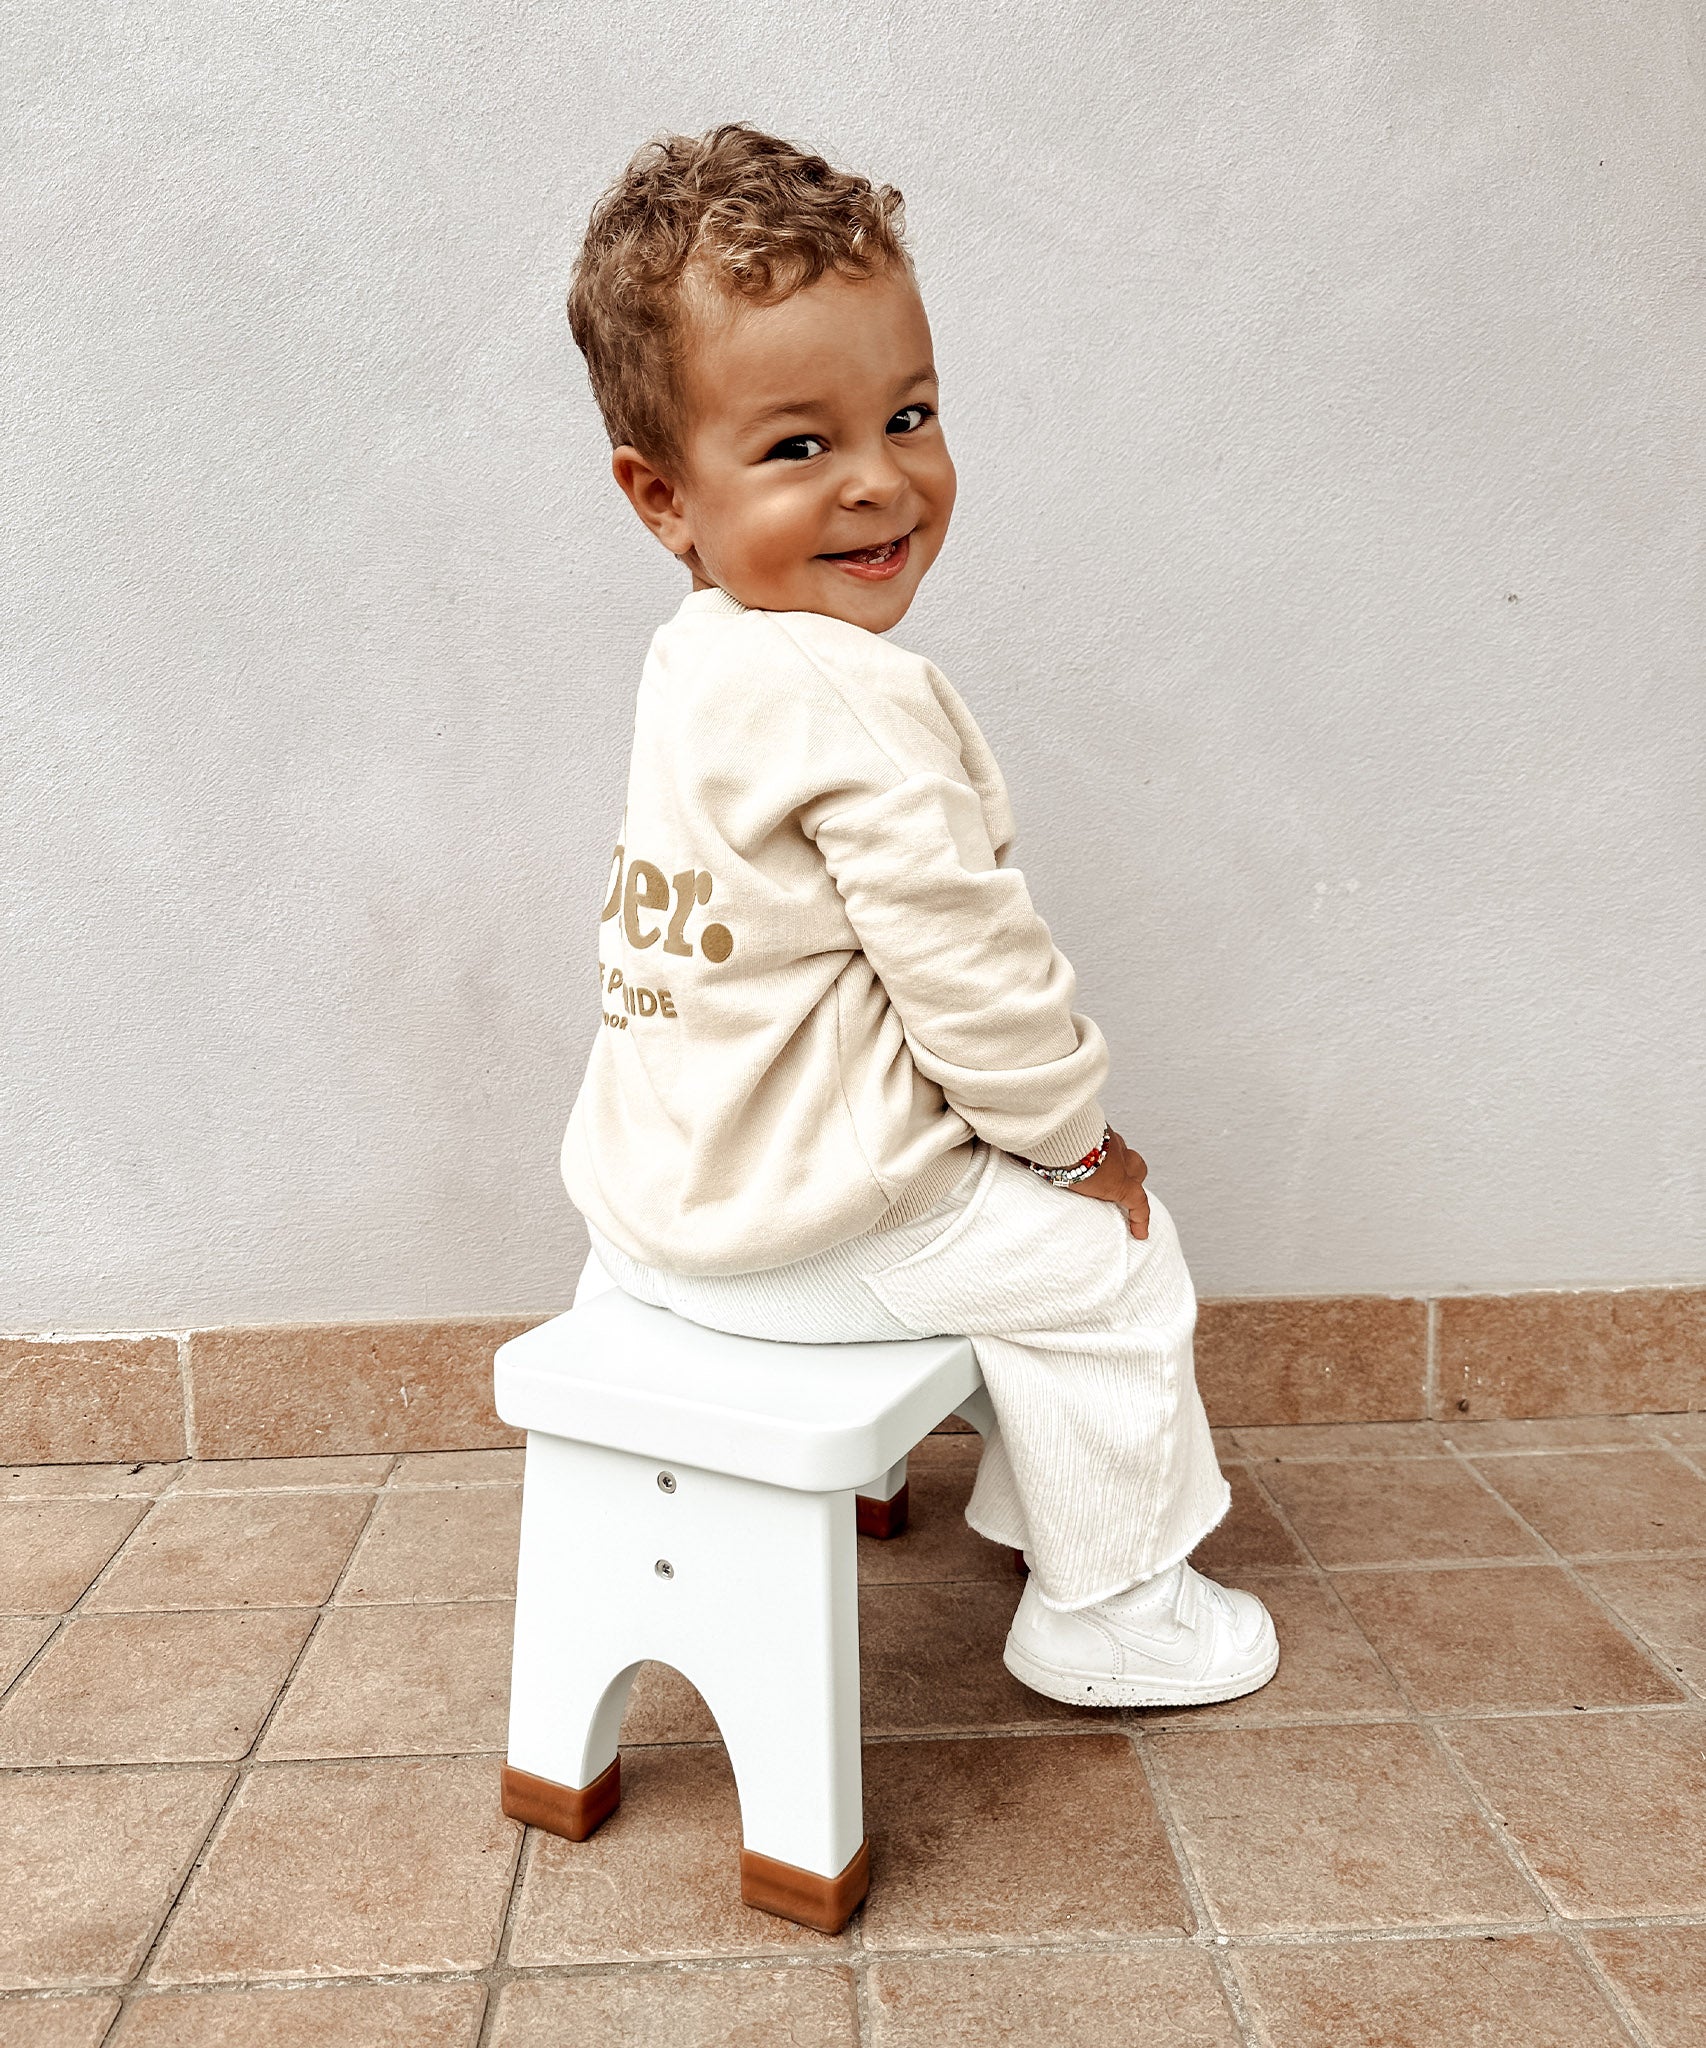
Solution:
(752, 215)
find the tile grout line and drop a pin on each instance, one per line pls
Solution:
(1282, 1514)
(1324, 1579)
(1208, 1936)
(1430, 1361)
(1514, 1852)
(1451, 1718)
(1308, 1937)
(1519, 1861)
(62, 1620)
(607, 1966)
(192, 1864)
(240, 1777)
(499, 1972)
(860, 1970)
(1436, 1741)
(1249, 2023)
(1432, 1735)
(1524, 1562)
(1463, 1932)
(1692, 1695)
(1685, 1455)
(1208, 1930)
(1454, 1931)
(1633, 2024)
(185, 1396)
(1550, 1559)
(1444, 1448)
(861, 1957)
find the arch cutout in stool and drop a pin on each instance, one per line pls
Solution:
(825, 1904)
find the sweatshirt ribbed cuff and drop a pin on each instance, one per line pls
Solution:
(1067, 1143)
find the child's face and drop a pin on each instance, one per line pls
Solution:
(814, 476)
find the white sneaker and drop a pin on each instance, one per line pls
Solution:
(1178, 1640)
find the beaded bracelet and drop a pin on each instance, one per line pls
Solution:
(1069, 1176)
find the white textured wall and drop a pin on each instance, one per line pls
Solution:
(1326, 381)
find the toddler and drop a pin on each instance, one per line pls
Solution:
(840, 1092)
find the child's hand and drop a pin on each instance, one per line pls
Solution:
(1119, 1179)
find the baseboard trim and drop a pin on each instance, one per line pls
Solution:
(311, 1389)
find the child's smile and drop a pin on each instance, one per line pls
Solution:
(887, 559)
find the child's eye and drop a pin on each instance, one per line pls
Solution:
(909, 419)
(797, 448)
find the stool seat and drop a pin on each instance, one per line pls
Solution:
(820, 1418)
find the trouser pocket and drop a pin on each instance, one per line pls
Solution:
(1024, 1256)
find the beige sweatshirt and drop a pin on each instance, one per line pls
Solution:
(819, 976)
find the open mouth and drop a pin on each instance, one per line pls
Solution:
(887, 558)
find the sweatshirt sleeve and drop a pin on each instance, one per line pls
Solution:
(981, 991)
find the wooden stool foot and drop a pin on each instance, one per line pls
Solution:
(880, 1518)
(804, 1896)
(562, 1809)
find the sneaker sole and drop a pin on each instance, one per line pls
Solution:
(1087, 1689)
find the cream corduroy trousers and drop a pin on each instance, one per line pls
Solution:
(1101, 1468)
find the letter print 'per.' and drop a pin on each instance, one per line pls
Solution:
(640, 893)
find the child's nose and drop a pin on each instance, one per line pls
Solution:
(875, 478)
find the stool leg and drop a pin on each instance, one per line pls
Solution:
(979, 1410)
(574, 1657)
(785, 1691)
(880, 1509)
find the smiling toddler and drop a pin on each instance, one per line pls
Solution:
(839, 1092)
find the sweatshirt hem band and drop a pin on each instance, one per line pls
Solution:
(934, 1184)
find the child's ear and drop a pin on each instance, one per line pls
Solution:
(653, 496)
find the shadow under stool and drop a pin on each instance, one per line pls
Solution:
(691, 1498)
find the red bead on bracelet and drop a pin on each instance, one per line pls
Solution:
(1080, 1169)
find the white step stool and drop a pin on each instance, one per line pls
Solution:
(689, 1497)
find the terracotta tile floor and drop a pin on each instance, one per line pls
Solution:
(251, 1717)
